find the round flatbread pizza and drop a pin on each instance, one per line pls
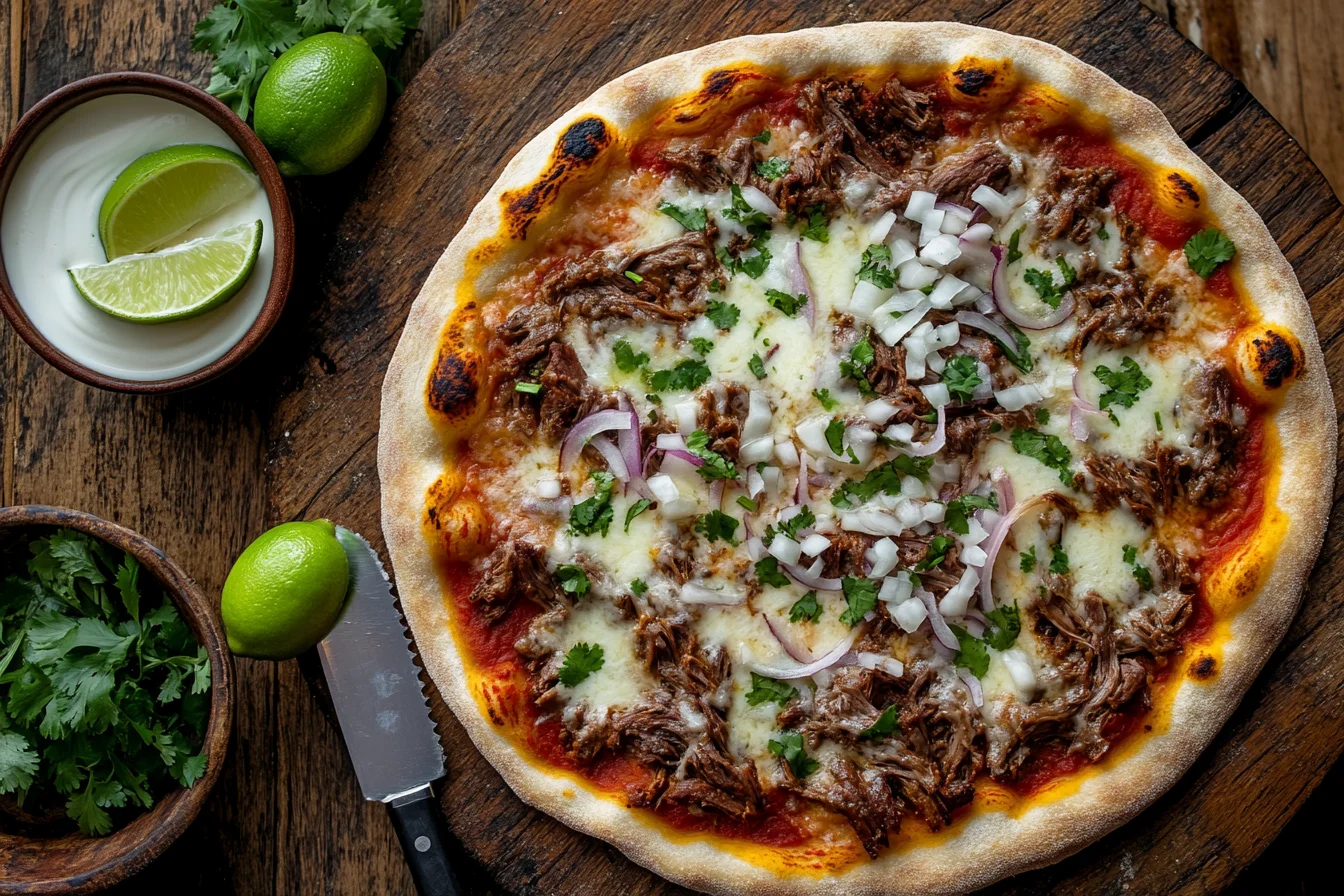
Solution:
(873, 459)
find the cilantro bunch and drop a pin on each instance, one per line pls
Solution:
(246, 36)
(103, 688)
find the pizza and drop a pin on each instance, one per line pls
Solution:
(872, 459)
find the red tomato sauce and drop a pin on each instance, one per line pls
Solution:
(1053, 761)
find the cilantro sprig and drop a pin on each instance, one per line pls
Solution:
(104, 690)
(1208, 249)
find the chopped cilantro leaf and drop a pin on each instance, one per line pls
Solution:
(1014, 241)
(873, 267)
(786, 303)
(885, 479)
(1208, 249)
(1017, 354)
(627, 359)
(763, 136)
(772, 168)
(573, 578)
(581, 661)
(723, 315)
(835, 436)
(1066, 271)
(956, 517)
(1142, 574)
(936, 554)
(635, 510)
(961, 376)
(1042, 416)
(756, 222)
(861, 596)
(1047, 449)
(767, 690)
(715, 466)
(594, 514)
(529, 388)
(717, 525)
(815, 225)
(1044, 284)
(687, 375)
(803, 519)
(805, 609)
(856, 365)
(747, 504)
(690, 218)
(824, 396)
(637, 587)
(757, 366)
(1122, 386)
(1157, 420)
(789, 747)
(767, 573)
(701, 345)
(1059, 561)
(885, 724)
(1005, 624)
(971, 655)
(1103, 234)
(1028, 561)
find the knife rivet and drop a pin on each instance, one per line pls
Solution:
(422, 844)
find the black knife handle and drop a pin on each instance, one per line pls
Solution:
(417, 823)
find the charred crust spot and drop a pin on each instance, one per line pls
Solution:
(584, 140)
(1203, 668)
(972, 80)
(579, 147)
(453, 383)
(1183, 187)
(719, 85)
(1275, 360)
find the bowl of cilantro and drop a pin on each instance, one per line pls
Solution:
(115, 701)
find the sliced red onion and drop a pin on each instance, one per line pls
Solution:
(628, 440)
(958, 210)
(686, 456)
(802, 284)
(1078, 422)
(777, 629)
(973, 626)
(832, 656)
(935, 444)
(801, 495)
(981, 323)
(585, 429)
(716, 493)
(996, 540)
(973, 685)
(1002, 300)
(1003, 485)
(940, 629)
(1081, 402)
(811, 577)
(760, 202)
(695, 593)
(612, 455)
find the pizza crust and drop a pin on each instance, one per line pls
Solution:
(986, 846)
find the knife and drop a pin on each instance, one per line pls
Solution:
(375, 685)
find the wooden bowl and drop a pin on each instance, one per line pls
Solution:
(56, 104)
(74, 863)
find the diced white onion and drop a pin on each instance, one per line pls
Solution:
(910, 614)
(909, 513)
(941, 250)
(975, 532)
(695, 593)
(902, 250)
(911, 487)
(866, 298)
(758, 416)
(757, 450)
(954, 224)
(772, 478)
(670, 441)
(896, 589)
(879, 411)
(920, 205)
(915, 350)
(957, 598)
(786, 454)
(931, 226)
(755, 482)
(887, 664)
(1015, 398)
(814, 544)
(678, 509)
(913, 275)
(760, 202)
(992, 201)
(548, 488)
(784, 549)
(902, 302)
(947, 289)
(973, 555)
(978, 234)
(882, 227)
(900, 432)
(883, 555)
(934, 512)
(937, 394)
(812, 433)
(1019, 669)
(663, 488)
(936, 362)
(903, 325)
(688, 416)
(871, 522)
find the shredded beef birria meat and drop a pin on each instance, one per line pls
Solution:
(861, 149)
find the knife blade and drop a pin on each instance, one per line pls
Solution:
(375, 686)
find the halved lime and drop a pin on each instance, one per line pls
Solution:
(164, 193)
(183, 281)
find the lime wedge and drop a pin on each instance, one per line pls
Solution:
(180, 282)
(163, 194)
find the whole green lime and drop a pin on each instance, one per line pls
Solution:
(285, 591)
(321, 103)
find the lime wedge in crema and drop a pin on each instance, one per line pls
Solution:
(180, 282)
(163, 194)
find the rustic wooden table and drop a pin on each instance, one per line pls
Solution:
(292, 432)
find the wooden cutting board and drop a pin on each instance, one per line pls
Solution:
(511, 69)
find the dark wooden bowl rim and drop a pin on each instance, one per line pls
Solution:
(78, 864)
(56, 104)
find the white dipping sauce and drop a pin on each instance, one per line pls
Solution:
(50, 224)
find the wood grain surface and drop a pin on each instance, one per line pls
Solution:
(292, 432)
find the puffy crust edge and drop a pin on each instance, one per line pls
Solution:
(987, 846)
